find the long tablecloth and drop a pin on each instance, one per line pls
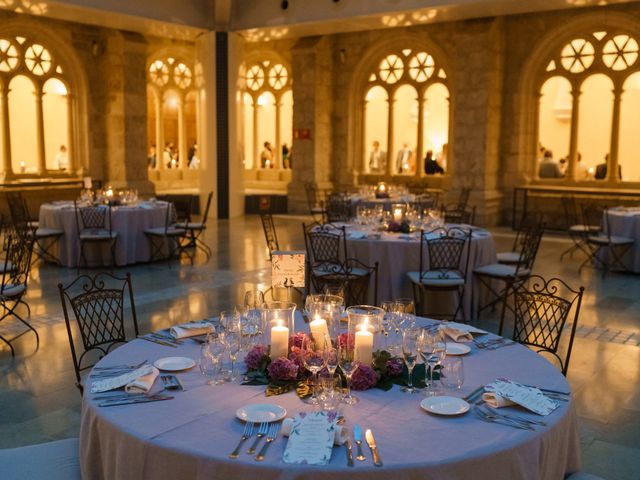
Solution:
(397, 254)
(190, 436)
(625, 222)
(129, 222)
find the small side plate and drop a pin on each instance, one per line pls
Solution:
(174, 364)
(457, 348)
(261, 412)
(445, 405)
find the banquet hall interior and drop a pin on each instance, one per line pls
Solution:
(209, 134)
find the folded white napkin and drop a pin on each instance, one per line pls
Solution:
(191, 329)
(119, 381)
(460, 332)
(356, 235)
(503, 393)
(142, 384)
(341, 436)
(496, 401)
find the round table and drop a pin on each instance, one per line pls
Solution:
(129, 221)
(190, 436)
(625, 222)
(398, 254)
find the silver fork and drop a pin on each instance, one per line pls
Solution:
(515, 418)
(248, 431)
(262, 431)
(274, 428)
(488, 417)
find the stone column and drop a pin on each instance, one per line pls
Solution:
(159, 132)
(391, 157)
(182, 134)
(419, 153)
(613, 172)
(42, 162)
(71, 153)
(7, 170)
(256, 146)
(573, 138)
(277, 157)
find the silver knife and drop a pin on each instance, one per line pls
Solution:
(349, 453)
(374, 450)
(357, 437)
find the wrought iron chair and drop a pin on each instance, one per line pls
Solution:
(95, 227)
(330, 267)
(577, 230)
(506, 274)
(454, 213)
(448, 252)
(172, 238)
(315, 201)
(338, 208)
(426, 201)
(270, 234)
(97, 305)
(513, 257)
(542, 308)
(604, 250)
(15, 275)
(44, 238)
(196, 229)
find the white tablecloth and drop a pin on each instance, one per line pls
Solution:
(190, 436)
(625, 222)
(129, 221)
(396, 256)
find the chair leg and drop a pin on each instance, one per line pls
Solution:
(504, 308)
(13, 352)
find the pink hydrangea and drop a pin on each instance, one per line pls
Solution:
(282, 369)
(295, 356)
(342, 340)
(394, 367)
(297, 339)
(364, 378)
(255, 356)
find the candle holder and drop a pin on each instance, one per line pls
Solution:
(382, 191)
(398, 212)
(278, 325)
(365, 327)
(325, 312)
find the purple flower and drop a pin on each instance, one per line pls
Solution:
(343, 338)
(255, 356)
(364, 378)
(297, 339)
(394, 367)
(282, 369)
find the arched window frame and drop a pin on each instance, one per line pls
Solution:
(32, 66)
(169, 72)
(598, 34)
(256, 88)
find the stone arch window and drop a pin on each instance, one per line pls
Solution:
(35, 104)
(172, 114)
(589, 96)
(406, 113)
(267, 103)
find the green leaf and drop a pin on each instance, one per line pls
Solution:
(303, 390)
(255, 377)
(385, 384)
(279, 387)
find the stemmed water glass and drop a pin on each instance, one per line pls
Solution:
(348, 364)
(314, 360)
(253, 302)
(330, 356)
(210, 354)
(433, 350)
(410, 339)
(232, 342)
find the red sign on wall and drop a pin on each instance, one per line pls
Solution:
(302, 134)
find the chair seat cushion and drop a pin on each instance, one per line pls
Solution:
(501, 270)
(437, 278)
(97, 234)
(10, 290)
(195, 226)
(509, 257)
(329, 270)
(581, 228)
(48, 232)
(57, 460)
(161, 232)
(6, 266)
(613, 240)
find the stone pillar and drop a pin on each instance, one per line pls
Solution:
(613, 171)
(277, 156)
(256, 146)
(391, 157)
(7, 169)
(420, 153)
(159, 132)
(71, 153)
(182, 135)
(313, 95)
(573, 138)
(42, 162)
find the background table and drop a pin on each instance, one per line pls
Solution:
(625, 222)
(396, 255)
(129, 221)
(190, 436)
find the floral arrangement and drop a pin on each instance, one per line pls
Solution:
(402, 227)
(285, 374)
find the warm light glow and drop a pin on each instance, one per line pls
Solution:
(262, 100)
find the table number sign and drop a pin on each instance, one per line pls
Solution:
(288, 269)
(311, 439)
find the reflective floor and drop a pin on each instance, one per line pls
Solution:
(39, 402)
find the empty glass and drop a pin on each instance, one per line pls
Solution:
(314, 360)
(433, 350)
(410, 338)
(232, 341)
(348, 365)
(209, 363)
(329, 394)
(452, 373)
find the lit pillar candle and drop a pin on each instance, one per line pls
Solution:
(363, 351)
(319, 329)
(279, 340)
(397, 215)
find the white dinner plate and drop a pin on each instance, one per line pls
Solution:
(261, 412)
(445, 405)
(174, 364)
(457, 348)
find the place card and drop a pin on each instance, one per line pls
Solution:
(530, 398)
(112, 383)
(288, 268)
(311, 438)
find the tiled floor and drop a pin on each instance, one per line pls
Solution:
(38, 400)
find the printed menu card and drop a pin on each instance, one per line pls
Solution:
(503, 392)
(311, 439)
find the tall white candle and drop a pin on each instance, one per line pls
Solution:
(319, 329)
(363, 351)
(397, 215)
(279, 340)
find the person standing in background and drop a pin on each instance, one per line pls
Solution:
(403, 161)
(62, 158)
(377, 159)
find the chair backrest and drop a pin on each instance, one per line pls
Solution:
(464, 198)
(311, 190)
(96, 217)
(594, 215)
(528, 221)
(17, 262)
(530, 245)
(570, 209)
(19, 213)
(270, 234)
(97, 304)
(326, 244)
(426, 200)
(446, 248)
(338, 208)
(205, 214)
(542, 308)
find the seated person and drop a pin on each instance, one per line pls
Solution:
(548, 167)
(431, 165)
(601, 169)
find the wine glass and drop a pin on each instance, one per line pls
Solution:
(330, 356)
(253, 299)
(210, 360)
(230, 320)
(410, 339)
(232, 342)
(348, 364)
(313, 359)
(433, 350)
(405, 305)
